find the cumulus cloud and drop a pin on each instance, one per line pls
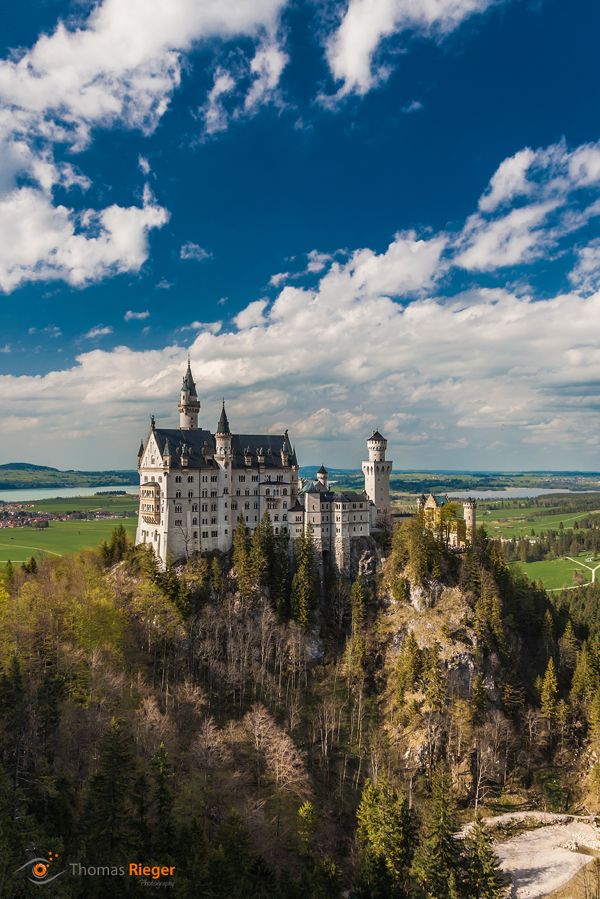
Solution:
(515, 238)
(40, 241)
(131, 316)
(352, 48)
(252, 316)
(194, 251)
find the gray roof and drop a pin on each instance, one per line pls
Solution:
(223, 426)
(376, 436)
(322, 470)
(188, 381)
(201, 443)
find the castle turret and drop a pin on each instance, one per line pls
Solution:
(377, 472)
(189, 404)
(223, 435)
(470, 516)
(322, 476)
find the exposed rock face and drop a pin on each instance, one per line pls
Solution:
(427, 596)
(365, 558)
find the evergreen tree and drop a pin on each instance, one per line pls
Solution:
(279, 575)
(439, 859)
(408, 666)
(549, 693)
(162, 789)
(241, 560)
(216, 577)
(108, 830)
(357, 605)
(435, 679)
(567, 648)
(9, 575)
(582, 683)
(303, 582)
(485, 881)
(387, 837)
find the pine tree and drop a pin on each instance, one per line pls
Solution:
(408, 666)
(582, 683)
(567, 648)
(216, 577)
(485, 880)
(549, 693)
(439, 859)
(435, 680)
(241, 560)
(357, 605)
(303, 582)
(108, 828)
(387, 834)
(280, 574)
(162, 791)
(548, 634)
(9, 575)
(594, 720)
(261, 552)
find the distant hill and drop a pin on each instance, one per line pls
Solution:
(25, 475)
(25, 466)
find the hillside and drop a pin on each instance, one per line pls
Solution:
(269, 729)
(23, 475)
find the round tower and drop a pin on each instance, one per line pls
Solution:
(377, 472)
(470, 516)
(322, 476)
(189, 404)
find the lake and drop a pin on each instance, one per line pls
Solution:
(23, 496)
(515, 492)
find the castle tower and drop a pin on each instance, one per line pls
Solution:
(377, 472)
(470, 515)
(189, 404)
(223, 435)
(322, 476)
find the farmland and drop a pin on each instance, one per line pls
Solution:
(560, 573)
(19, 544)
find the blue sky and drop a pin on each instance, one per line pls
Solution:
(358, 214)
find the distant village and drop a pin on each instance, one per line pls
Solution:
(26, 515)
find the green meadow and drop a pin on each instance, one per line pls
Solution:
(558, 573)
(19, 544)
(115, 504)
(518, 522)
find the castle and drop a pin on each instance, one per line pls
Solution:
(439, 516)
(195, 486)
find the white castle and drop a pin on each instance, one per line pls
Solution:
(195, 486)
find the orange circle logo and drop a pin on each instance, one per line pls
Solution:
(40, 870)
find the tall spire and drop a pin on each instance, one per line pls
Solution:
(189, 404)
(223, 426)
(188, 380)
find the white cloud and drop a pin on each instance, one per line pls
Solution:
(194, 251)
(266, 68)
(515, 238)
(98, 331)
(586, 273)
(131, 316)
(278, 279)
(509, 181)
(352, 48)
(212, 327)
(317, 261)
(252, 316)
(6, 348)
(120, 65)
(43, 242)
(51, 330)
(213, 113)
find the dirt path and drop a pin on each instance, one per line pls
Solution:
(543, 860)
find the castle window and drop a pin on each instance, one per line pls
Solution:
(178, 494)
(285, 491)
(178, 479)
(280, 477)
(205, 521)
(213, 478)
(276, 517)
(204, 493)
(213, 507)
(194, 521)
(205, 534)
(190, 479)
(214, 533)
(178, 508)
(246, 493)
(213, 520)
(205, 507)
(267, 492)
(146, 479)
(225, 491)
(195, 507)
(233, 506)
(226, 531)
(246, 505)
(242, 478)
(276, 530)
(255, 477)
(195, 535)
(284, 517)
(178, 521)
(204, 478)
(238, 492)
(213, 492)
(190, 494)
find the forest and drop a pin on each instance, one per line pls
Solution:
(270, 728)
